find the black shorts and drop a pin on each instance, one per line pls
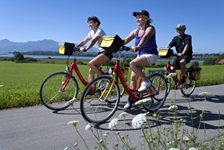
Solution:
(176, 62)
(108, 54)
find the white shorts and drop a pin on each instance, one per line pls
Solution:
(151, 58)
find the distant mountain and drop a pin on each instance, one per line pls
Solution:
(41, 45)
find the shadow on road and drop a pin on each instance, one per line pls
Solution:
(191, 119)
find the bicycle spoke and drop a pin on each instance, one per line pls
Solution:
(102, 104)
(56, 99)
(159, 84)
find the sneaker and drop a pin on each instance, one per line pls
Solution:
(182, 80)
(102, 84)
(144, 86)
(128, 105)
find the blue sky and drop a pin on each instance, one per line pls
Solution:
(66, 20)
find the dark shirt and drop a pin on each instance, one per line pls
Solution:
(180, 43)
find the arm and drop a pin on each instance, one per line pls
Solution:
(130, 37)
(92, 43)
(186, 47)
(83, 42)
(172, 43)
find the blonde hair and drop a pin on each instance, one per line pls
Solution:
(148, 20)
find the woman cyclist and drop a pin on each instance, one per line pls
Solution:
(145, 44)
(95, 35)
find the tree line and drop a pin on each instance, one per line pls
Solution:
(209, 59)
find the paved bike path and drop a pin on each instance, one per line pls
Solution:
(38, 128)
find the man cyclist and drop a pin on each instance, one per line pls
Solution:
(183, 45)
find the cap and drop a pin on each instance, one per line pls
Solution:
(143, 12)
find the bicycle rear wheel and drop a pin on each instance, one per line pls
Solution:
(159, 84)
(99, 102)
(57, 89)
(188, 87)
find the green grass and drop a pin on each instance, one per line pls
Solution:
(20, 82)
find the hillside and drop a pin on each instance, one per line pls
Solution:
(7, 46)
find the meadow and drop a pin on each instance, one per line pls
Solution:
(20, 82)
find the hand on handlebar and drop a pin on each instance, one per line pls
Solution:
(134, 49)
(82, 49)
(179, 54)
(125, 48)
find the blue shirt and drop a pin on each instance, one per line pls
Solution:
(149, 46)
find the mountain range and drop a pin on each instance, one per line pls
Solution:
(7, 46)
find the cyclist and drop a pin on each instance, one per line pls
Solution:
(182, 43)
(145, 44)
(95, 35)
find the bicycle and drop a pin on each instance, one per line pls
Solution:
(190, 83)
(103, 103)
(61, 87)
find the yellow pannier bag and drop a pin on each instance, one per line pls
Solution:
(197, 73)
(112, 43)
(66, 49)
(165, 52)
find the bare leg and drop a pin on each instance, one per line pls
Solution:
(91, 75)
(137, 65)
(133, 80)
(173, 70)
(95, 63)
(183, 66)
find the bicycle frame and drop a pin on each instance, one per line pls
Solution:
(168, 68)
(76, 69)
(133, 93)
(70, 69)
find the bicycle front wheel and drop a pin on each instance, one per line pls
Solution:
(57, 90)
(159, 84)
(188, 87)
(100, 100)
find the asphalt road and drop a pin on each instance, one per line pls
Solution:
(38, 128)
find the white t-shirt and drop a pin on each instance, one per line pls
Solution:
(100, 33)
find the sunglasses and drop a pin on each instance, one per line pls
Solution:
(179, 30)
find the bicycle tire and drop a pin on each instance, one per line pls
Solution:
(158, 81)
(95, 108)
(188, 87)
(52, 96)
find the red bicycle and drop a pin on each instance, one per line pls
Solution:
(191, 74)
(103, 103)
(61, 87)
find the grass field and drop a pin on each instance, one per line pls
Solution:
(20, 82)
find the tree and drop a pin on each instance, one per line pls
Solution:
(210, 61)
(18, 57)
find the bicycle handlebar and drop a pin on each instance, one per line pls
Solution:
(125, 48)
(77, 49)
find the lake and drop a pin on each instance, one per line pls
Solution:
(79, 57)
(44, 56)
